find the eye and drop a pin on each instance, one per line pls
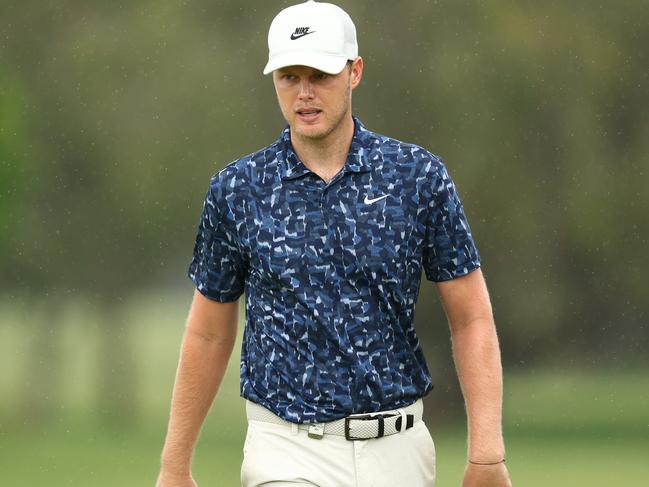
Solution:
(286, 76)
(321, 76)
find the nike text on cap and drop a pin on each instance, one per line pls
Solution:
(315, 34)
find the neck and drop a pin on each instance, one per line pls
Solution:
(325, 156)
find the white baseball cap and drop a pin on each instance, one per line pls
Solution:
(316, 34)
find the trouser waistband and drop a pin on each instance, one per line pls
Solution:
(360, 426)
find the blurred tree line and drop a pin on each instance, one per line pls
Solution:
(113, 116)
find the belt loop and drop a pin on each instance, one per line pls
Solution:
(294, 429)
(403, 420)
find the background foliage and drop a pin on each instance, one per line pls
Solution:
(113, 116)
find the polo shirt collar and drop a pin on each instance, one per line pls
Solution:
(291, 167)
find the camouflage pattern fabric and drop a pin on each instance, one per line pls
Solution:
(331, 271)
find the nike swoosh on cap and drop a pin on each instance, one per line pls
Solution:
(301, 32)
(373, 200)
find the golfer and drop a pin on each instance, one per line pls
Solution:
(327, 231)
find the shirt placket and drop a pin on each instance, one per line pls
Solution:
(331, 211)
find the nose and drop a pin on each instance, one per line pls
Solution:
(306, 89)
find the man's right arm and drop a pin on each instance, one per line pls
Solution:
(208, 341)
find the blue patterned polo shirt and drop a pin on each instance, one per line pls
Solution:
(331, 271)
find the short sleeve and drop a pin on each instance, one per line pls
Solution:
(218, 268)
(449, 250)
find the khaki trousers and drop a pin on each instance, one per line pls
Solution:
(278, 455)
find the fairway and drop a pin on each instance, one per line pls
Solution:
(85, 455)
(563, 427)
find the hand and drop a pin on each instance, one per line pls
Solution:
(166, 479)
(486, 476)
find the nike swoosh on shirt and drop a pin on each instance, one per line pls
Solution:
(368, 201)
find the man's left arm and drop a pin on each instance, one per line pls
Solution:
(477, 359)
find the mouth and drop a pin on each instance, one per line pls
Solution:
(308, 114)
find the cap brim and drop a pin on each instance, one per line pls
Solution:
(329, 64)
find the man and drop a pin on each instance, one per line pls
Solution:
(327, 230)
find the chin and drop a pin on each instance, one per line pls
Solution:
(317, 131)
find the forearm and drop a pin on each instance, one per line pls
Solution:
(477, 358)
(201, 367)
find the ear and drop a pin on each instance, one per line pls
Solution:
(357, 72)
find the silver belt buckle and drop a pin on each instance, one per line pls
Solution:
(316, 431)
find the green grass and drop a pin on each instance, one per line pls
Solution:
(557, 461)
(84, 454)
(564, 427)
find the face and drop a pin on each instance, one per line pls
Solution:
(315, 103)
